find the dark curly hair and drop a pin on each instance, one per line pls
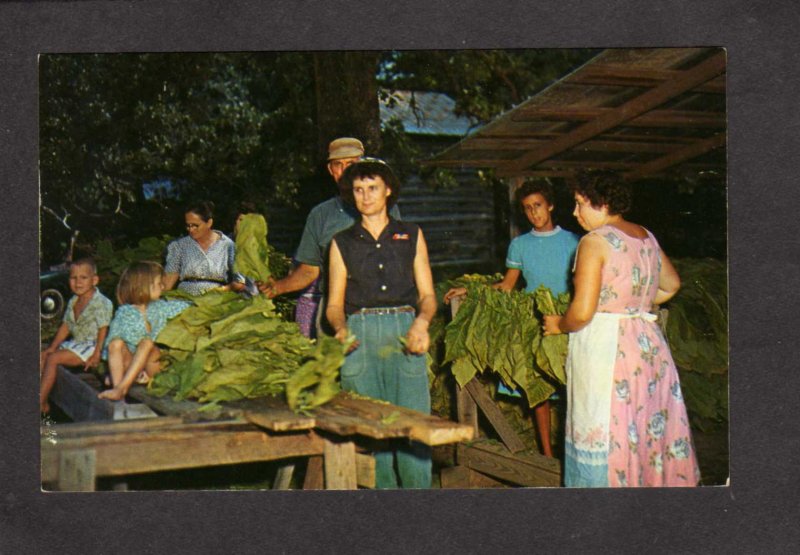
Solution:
(370, 167)
(603, 188)
(533, 187)
(204, 209)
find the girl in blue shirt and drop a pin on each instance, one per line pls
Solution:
(131, 350)
(543, 256)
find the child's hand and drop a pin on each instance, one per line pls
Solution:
(454, 292)
(92, 362)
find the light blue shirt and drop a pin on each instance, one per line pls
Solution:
(544, 257)
(128, 323)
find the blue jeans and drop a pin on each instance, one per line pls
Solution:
(380, 369)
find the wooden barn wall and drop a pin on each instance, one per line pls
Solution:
(458, 222)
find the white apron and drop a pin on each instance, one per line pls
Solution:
(590, 381)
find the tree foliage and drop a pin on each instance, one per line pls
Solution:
(236, 126)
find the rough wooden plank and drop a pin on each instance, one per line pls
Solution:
(340, 465)
(688, 80)
(686, 153)
(163, 405)
(76, 470)
(463, 477)
(495, 416)
(528, 469)
(467, 409)
(365, 470)
(315, 478)
(150, 452)
(283, 477)
(455, 477)
(78, 399)
(346, 415)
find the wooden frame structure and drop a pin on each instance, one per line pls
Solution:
(334, 439)
(647, 112)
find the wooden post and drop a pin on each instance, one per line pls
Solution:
(76, 470)
(314, 477)
(514, 183)
(283, 477)
(466, 409)
(340, 465)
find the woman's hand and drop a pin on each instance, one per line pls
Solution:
(552, 324)
(342, 335)
(454, 292)
(417, 339)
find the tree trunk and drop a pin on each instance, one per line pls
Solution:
(347, 99)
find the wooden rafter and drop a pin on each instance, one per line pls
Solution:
(678, 156)
(612, 75)
(654, 118)
(647, 101)
(619, 144)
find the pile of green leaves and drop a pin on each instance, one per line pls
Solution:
(697, 331)
(226, 347)
(500, 331)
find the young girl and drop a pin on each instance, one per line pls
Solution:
(543, 256)
(85, 321)
(132, 352)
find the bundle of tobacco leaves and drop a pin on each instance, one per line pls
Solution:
(697, 331)
(500, 331)
(252, 249)
(227, 347)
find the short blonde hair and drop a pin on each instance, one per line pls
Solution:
(135, 281)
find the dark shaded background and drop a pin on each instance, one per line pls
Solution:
(756, 514)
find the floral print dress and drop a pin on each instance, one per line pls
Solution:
(626, 418)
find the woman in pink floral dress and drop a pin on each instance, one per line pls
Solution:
(626, 420)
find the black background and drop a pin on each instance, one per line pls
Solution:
(758, 513)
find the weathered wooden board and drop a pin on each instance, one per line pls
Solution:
(171, 447)
(495, 416)
(462, 477)
(315, 478)
(78, 399)
(346, 415)
(340, 464)
(525, 469)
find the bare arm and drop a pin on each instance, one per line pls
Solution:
(61, 335)
(669, 282)
(588, 278)
(509, 280)
(302, 276)
(337, 282)
(170, 280)
(418, 338)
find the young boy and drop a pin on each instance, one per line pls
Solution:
(85, 323)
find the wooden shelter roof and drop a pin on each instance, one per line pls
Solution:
(646, 112)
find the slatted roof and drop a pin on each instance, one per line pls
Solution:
(645, 112)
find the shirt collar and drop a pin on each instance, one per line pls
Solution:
(550, 233)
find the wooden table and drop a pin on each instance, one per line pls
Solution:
(185, 436)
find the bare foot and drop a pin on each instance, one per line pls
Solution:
(112, 394)
(44, 407)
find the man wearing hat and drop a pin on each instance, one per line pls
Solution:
(323, 222)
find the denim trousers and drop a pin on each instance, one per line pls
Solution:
(379, 368)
